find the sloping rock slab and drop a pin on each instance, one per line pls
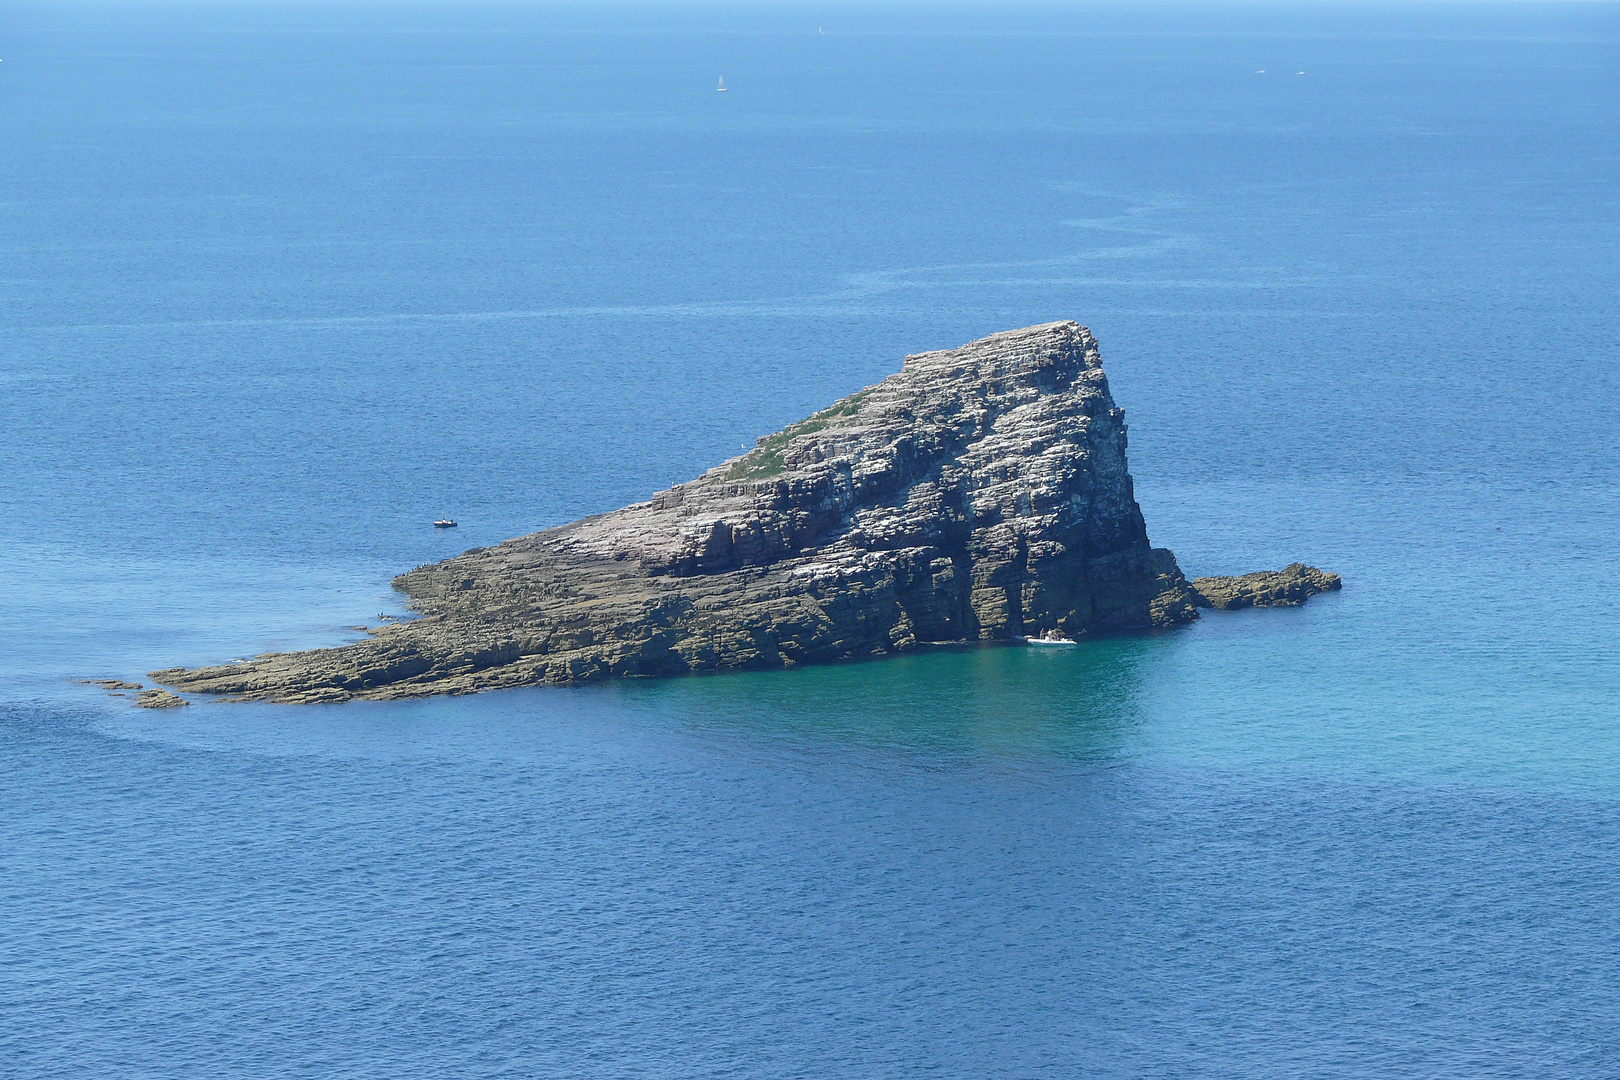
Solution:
(160, 699)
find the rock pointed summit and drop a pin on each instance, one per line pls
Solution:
(979, 493)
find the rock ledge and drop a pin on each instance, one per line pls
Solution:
(1287, 587)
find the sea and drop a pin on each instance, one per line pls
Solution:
(281, 283)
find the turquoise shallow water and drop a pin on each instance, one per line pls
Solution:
(284, 283)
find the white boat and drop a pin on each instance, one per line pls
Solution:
(722, 86)
(1051, 637)
(444, 523)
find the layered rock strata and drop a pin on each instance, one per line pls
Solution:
(980, 493)
(160, 699)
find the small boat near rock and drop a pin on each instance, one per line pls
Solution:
(444, 523)
(1051, 637)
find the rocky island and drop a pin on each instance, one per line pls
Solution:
(978, 494)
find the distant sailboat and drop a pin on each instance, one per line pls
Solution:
(722, 86)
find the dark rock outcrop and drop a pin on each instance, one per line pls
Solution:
(159, 699)
(1287, 587)
(980, 493)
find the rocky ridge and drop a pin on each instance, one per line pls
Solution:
(1287, 587)
(980, 493)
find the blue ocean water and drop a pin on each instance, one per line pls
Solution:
(283, 283)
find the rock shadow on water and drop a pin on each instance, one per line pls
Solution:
(1081, 702)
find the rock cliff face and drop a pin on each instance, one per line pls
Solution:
(979, 493)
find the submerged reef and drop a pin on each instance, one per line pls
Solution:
(978, 494)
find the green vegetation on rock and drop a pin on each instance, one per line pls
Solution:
(769, 458)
